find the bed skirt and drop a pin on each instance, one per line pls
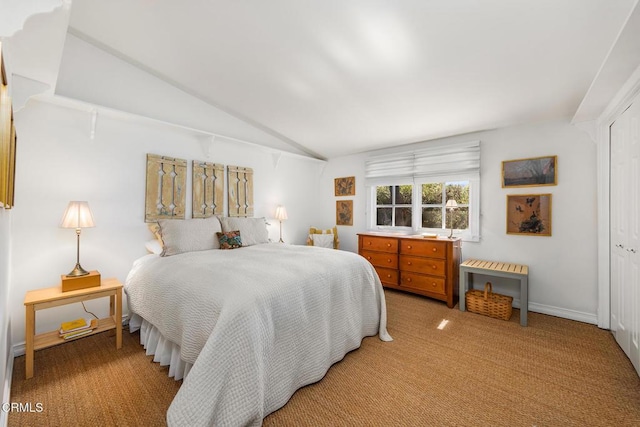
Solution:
(163, 351)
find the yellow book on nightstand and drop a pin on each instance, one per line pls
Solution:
(73, 324)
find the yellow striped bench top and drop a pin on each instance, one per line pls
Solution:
(496, 266)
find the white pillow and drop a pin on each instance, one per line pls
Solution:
(253, 231)
(188, 235)
(322, 240)
(153, 246)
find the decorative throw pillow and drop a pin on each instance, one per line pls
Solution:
(188, 235)
(229, 239)
(253, 230)
(322, 240)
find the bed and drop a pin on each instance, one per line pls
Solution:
(251, 325)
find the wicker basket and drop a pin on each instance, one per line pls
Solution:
(487, 303)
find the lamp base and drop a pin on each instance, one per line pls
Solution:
(78, 271)
(73, 283)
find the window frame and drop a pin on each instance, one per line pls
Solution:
(393, 205)
(471, 234)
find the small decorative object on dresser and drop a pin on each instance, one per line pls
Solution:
(415, 264)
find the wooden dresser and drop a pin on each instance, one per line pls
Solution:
(415, 264)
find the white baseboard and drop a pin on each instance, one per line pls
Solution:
(560, 312)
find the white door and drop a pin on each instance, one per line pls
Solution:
(633, 242)
(625, 232)
(619, 254)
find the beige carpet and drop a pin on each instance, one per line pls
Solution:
(477, 371)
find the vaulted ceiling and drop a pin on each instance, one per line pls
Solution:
(334, 77)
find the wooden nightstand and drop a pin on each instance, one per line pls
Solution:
(52, 297)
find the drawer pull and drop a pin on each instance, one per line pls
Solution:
(388, 245)
(369, 258)
(433, 284)
(389, 276)
(408, 279)
(408, 246)
(408, 262)
(369, 243)
(435, 250)
(389, 260)
(434, 266)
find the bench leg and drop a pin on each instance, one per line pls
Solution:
(524, 300)
(464, 280)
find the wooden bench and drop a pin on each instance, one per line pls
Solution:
(497, 269)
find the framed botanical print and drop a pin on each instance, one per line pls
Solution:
(344, 212)
(345, 186)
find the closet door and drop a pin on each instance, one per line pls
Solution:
(619, 189)
(625, 232)
(633, 243)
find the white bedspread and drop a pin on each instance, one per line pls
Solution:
(257, 323)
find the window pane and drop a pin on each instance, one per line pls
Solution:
(431, 194)
(383, 216)
(458, 191)
(403, 195)
(459, 218)
(403, 217)
(431, 217)
(383, 195)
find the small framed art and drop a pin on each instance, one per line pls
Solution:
(535, 171)
(529, 214)
(344, 212)
(345, 186)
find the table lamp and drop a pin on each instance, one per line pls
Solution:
(281, 215)
(451, 206)
(78, 216)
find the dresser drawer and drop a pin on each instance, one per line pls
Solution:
(381, 259)
(384, 244)
(387, 276)
(427, 247)
(422, 282)
(433, 266)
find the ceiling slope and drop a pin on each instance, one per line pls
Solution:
(333, 77)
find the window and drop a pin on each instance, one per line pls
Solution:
(434, 215)
(394, 205)
(409, 190)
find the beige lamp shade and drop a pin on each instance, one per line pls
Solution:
(77, 215)
(281, 213)
(451, 204)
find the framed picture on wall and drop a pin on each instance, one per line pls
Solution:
(536, 171)
(529, 214)
(345, 186)
(344, 212)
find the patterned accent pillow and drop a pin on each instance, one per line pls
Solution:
(254, 230)
(229, 239)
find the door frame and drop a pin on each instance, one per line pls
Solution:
(623, 99)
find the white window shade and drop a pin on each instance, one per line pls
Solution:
(440, 161)
(448, 161)
(392, 169)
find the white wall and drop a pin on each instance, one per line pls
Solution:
(563, 270)
(57, 162)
